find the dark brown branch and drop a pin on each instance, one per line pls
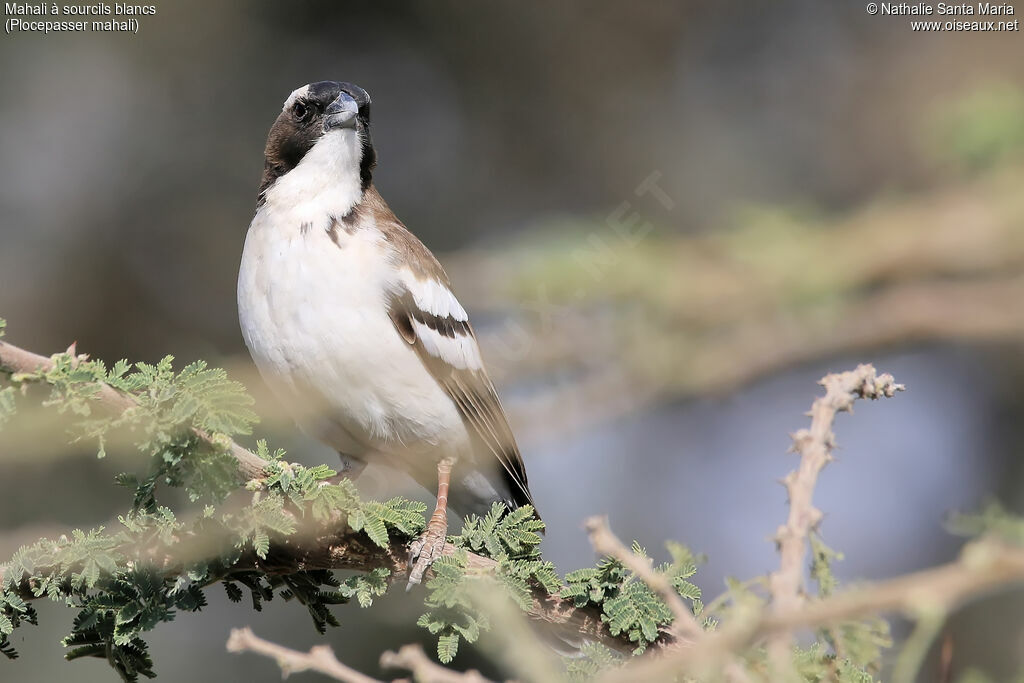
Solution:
(336, 549)
(340, 549)
(349, 550)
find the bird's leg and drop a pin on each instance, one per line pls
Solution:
(427, 548)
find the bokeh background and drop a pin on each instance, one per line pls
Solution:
(668, 220)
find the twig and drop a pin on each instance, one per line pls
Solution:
(319, 658)
(424, 670)
(319, 547)
(606, 543)
(786, 585)
(14, 359)
(522, 649)
(685, 627)
(814, 446)
(985, 566)
(331, 548)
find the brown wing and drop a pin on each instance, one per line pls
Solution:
(448, 348)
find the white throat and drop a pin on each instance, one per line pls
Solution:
(324, 185)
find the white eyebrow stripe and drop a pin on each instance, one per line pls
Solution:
(296, 94)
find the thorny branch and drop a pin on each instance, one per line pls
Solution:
(424, 669)
(340, 549)
(685, 627)
(814, 446)
(984, 567)
(322, 659)
(14, 360)
(605, 542)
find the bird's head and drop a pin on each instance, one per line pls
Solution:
(327, 120)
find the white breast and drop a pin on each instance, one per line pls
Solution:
(314, 317)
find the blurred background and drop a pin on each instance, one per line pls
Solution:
(667, 219)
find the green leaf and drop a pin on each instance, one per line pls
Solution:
(366, 587)
(233, 591)
(502, 533)
(447, 647)
(592, 660)
(261, 543)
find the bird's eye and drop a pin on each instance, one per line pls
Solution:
(300, 111)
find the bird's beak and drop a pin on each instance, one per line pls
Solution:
(341, 113)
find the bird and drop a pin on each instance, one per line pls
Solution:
(353, 323)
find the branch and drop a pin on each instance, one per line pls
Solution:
(607, 543)
(558, 618)
(815, 449)
(319, 658)
(313, 548)
(685, 628)
(425, 670)
(786, 585)
(17, 360)
(984, 567)
(331, 548)
(322, 659)
(814, 446)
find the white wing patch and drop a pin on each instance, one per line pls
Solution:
(434, 297)
(427, 316)
(460, 352)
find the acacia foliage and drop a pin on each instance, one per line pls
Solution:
(123, 582)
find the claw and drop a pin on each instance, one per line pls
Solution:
(425, 549)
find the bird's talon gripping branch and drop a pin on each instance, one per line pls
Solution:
(427, 548)
(424, 550)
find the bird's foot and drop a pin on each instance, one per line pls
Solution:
(425, 549)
